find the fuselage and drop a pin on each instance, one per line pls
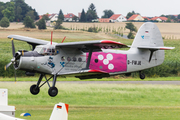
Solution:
(64, 60)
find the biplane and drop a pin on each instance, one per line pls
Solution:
(88, 59)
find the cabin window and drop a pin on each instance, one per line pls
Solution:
(62, 58)
(68, 59)
(45, 50)
(80, 59)
(74, 59)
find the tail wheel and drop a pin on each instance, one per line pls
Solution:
(142, 76)
(53, 91)
(34, 90)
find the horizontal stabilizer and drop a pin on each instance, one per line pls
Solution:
(155, 48)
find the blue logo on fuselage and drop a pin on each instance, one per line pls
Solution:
(142, 36)
(62, 64)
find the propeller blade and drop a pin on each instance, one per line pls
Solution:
(6, 67)
(13, 48)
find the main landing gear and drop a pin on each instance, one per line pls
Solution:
(53, 91)
(141, 75)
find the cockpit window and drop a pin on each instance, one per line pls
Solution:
(45, 50)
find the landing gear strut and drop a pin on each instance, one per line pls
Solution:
(141, 75)
(53, 91)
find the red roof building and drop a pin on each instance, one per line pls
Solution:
(105, 20)
(160, 19)
(136, 17)
(146, 18)
(117, 18)
(68, 17)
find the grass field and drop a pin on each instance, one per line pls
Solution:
(98, 102)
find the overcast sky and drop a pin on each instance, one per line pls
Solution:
(148, 8)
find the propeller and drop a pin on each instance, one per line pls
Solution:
(13, 60)
(13, 52)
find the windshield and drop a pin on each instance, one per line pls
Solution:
(45, 50)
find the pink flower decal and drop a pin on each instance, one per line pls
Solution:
(108, 62)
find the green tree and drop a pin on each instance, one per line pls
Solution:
(31, 14)
(4, 22)
(36, 15)
(131, 27)
(91, 13)
(130, 35)
(18, 12)
(169, 19)
(41, 24)
(179, 16)
(1, 9)
(9, 11)
(46, 17)
(19, 16)
(83, 16)
(61, 15)
(58, 24)
(107, 13)
(28, 22)
(130, 14)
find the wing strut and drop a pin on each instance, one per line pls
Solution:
(89, 58)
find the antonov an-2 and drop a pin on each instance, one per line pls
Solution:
(89, 59)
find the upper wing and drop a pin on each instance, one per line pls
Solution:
(29, 40)
(95, 45)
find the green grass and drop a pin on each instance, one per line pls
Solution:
(98, 101)
(121, 78)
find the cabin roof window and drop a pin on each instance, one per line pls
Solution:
(45, 50)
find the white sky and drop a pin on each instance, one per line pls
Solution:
(148, 8)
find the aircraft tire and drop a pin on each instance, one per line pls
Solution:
(53, 91)
(33, 90)
(142, 76)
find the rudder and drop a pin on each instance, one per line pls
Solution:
(148, 35)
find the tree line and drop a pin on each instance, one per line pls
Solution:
(17, 10)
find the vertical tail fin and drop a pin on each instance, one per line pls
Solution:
(149, 45)
(148, 35)
(60, 112)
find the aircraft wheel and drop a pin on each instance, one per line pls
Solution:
(53, 91)
(34, 90)
(142, 76)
